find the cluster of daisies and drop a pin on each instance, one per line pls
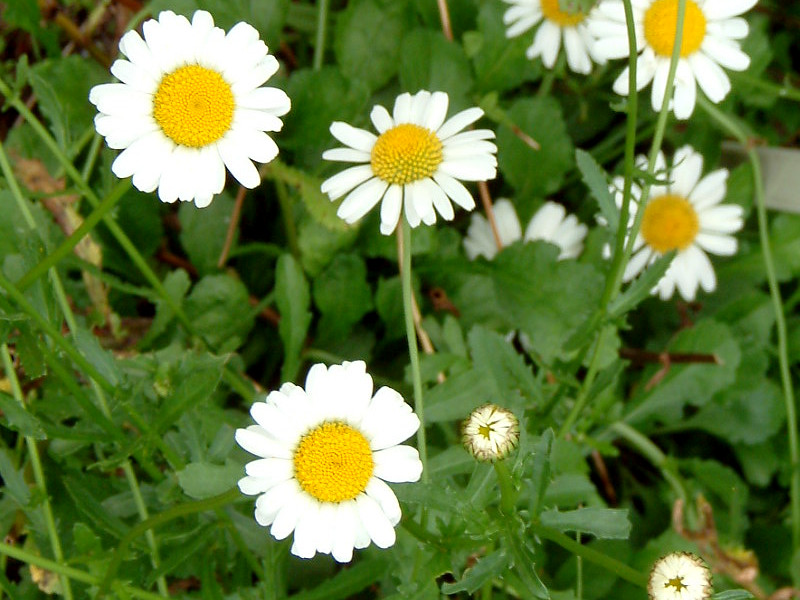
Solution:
(710, 36)
(191, 102)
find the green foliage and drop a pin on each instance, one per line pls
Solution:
(133, 366)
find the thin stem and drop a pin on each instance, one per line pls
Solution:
(622, 570)
(620, 260)
(38, 472)
(730, 126)
(444, 17)
(322, 26)
(404, 252)
(508, 495)
(55, 567)
(232, 226)
(653, 453)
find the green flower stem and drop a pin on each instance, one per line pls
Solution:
(38, 472)
(404, 240)
(623, 249)
(322, 25)
(654, 454)
(102, 209)
(508, 495)
(65, 571)
(69, 317)
(731, 127)
(175, 512)
(622, 570)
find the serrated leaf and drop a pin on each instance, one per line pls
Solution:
(603, 523)
(342, 295)
(347, 582)
(487, 568)
(535, 172)
(732, 595)
(502, 368)
(219, 309)
(294, 300)
(429, 62)
(547, 299)
(365, 40)
(19, 419)
(596, 179)
(193, 381)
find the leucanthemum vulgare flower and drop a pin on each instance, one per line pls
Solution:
(326, 452)
(685, 215)
(414, 163)
(190, 104)
(556, 21)
(679, 576)
(551, 223)
(711, 33)
(490, 432)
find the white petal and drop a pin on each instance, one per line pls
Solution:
(390, 209)
(384, 496)
(398, 464)
(360, 139)
(458, 122)
(455, 190)
(361, 200)
(341, 183)
(376, 523)
(381, 118)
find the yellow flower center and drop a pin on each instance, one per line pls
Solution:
(676, 582)
(333, 462)
(661, 23)
(194, 106)
(405, 154)
(564, 17)
(669, 223)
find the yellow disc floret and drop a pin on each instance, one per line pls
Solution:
(661, 23)
(669, 223)
(194, 106)
(405, 154)
(554, 11)
(333, 462)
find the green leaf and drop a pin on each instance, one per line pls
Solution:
(540, 472)
(457, 396)
(503, 369)
(732, 595)
(641, 288)
(100, 358)
(596, 179)
(177, 284)
(535, 172)
(347, 582)
(489, 567)
(500, 63)
(307, 130)
(603, 523)
(293, 299)
(201, 480)
(219, 309)
(342, 295)
(365, 40)
(547, 299)
(203, 231)
(190, 384)
(429, 62)
(19, 419)
(14, 484)
(62, 86)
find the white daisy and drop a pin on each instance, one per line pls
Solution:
(415, 162)
(490, 433)
(556, 22)
(679, 576)
(189, 105)
(685, 215)
(550, 224)
(326, 452)
(711, 33)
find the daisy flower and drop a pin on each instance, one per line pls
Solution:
(415, 162)
(556, 21)
(325, 453)
(711, 33)
(490, 433)
(679, 576)
(190, 104)
(550, 224)
(685, 215)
